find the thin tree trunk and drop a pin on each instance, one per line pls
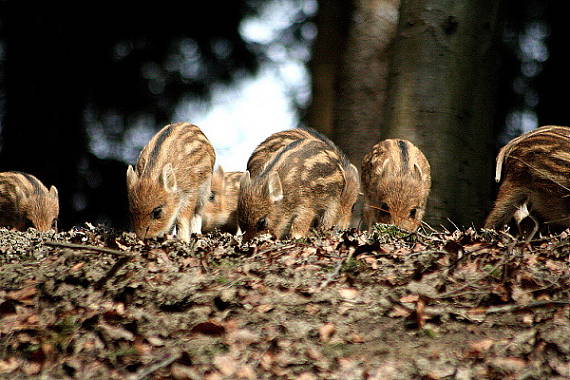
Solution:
(442, 97)
(363, 77)
(332, 23)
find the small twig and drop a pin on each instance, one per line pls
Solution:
(142, 374)
(454, 292)
(336, 270)
(87, 248)
(509, 308)
(280, 247)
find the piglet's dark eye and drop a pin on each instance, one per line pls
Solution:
(28, 223)
(413, 213)
(384, 209)
(261, 224)
(156, 213)
(212, 196)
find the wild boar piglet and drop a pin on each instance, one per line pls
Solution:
(220, 211)
(25, 202)
(535, 173)
(170, 183)
(266, 150)
(308, 183)
(396, 182)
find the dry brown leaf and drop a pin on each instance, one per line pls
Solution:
(213, 376)
(306, 376)
(264, 308)
(479, 347)
(9, 365)
(348, 293)
(209, 328)
(410, 298)
(246, 371)
(399, 311)
(356, 338)
(225, 364)
(312, 309)
(31, 368)
(313, 354)
(420, 315)
(77, 267)
(326, 331)
(520, 296)
(508, 364)
(23, 294)
(115, 332)
(182, 372)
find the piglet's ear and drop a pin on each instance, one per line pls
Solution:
(245, 179)
(168, 178)
(132, 177)
(417, 172)
(53, 191)
(274, 190)
(385, 168)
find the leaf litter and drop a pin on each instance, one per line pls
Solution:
(93, 303)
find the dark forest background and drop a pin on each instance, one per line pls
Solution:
(66, 67)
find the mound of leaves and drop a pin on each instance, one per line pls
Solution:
(93, 303)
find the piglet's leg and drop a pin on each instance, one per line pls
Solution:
(302, 224)
(183, 229)
(509, 199)
(184, 221)
(196, 224)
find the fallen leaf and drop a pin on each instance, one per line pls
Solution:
(31, 368)
(326, 332)
(508, 364)
(479, 347)
(9, 365)
(225, 364)
(209, 328)
(410, 298)
(348, 293)
(22, 294)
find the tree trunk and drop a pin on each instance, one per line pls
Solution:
(442, 96)
(349, 70)
(363, 76)
(332, 23)
(43, 132)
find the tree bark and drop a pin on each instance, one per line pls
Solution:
(350, 70)
(332, 23)
(363, 76)
(441, 97)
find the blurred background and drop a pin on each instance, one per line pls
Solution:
(84, 86)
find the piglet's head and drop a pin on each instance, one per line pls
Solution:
(258, 203)
(399, 199)
(153, 202)
(40, 210)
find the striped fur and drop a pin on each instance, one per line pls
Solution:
(306, 183)
(535, 173)
(26, 202)
(221, 209)
(396, 182)
(265, 151)
(171, 182)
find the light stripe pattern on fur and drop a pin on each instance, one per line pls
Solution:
(301, 180)
(396, 182)
(26, 202)
(220, 210)
(171, 182)
(535, 172)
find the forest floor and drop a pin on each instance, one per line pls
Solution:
(92, 303)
